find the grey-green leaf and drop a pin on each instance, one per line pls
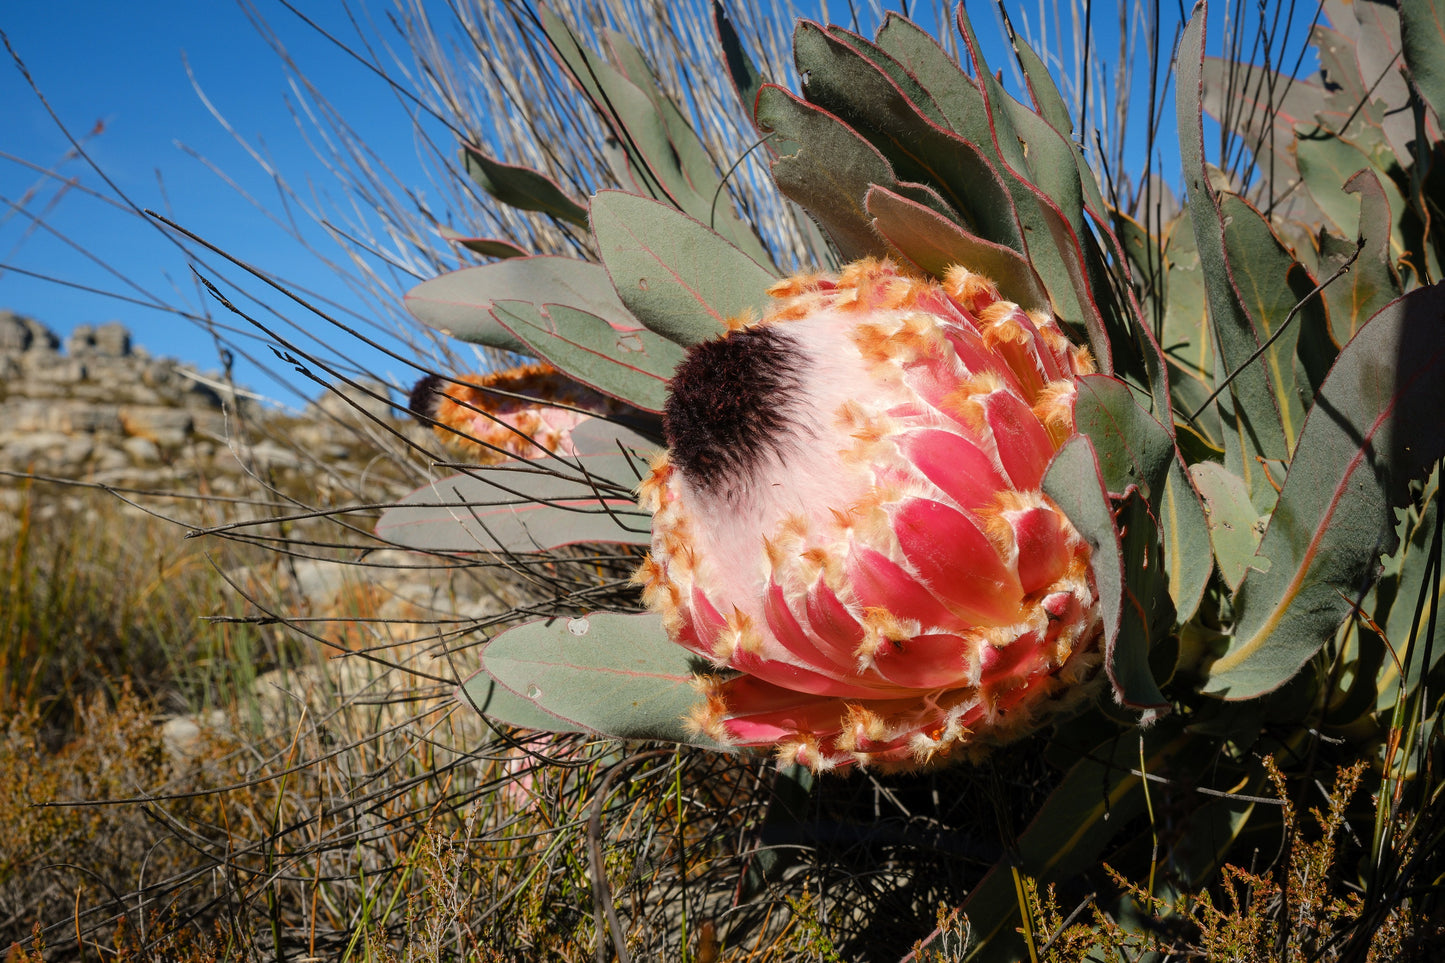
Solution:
(1045, 93)
(459, 304)
(665, 155)
(491, 247)
(524, 507)
(1422, 35)
(917, 94)
(1370, 282)
(1234, 527)
(1401, 625)
(615, 675)
(1326, 163)
(1133, 447)
(1184, 530)
(1148, 612)
(1135, 452)
(1374, 428)
(746, 77)
(1380, 60)
(935, 243)
(955, 93)
(827, 168)
(501, 705)
(1188, 339)
(631, 366)
(1270, 283)
(1074, 482)
(678, 278)
(1262, 107)
(846, 83)
(1253, 428)
(522, 187)
(1050, 234)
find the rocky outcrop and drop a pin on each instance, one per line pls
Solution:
(98, 408)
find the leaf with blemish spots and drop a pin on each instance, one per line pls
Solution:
(615, 675)
(631, 366)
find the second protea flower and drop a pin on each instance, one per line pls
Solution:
(849, 524)
(525, 411)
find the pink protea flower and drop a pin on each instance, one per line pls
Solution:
(523, 411)
(849, 526)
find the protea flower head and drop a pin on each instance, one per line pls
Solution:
(849, 525)
(524, 411)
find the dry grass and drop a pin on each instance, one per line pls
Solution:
(1304, 907)
(349, 809)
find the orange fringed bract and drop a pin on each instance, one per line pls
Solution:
(525, 411)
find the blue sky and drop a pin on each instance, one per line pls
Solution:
(124, 67)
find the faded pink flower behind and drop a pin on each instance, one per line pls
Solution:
(849, 526)
(524, 411)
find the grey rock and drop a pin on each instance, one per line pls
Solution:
(356, 402)
(269, 454)
(87, 419)
(160, 375)
(181, 736)
(142, 450)
(15, 334)
(81, 341)
(75, 452)
(35, 446)
(197, 395)
(42, 340)
(210, 424)
(167, 427)
(318, 580)
(111, 460)
(25, 414)
(118, 377)
(138, 394)
(60, 371)
(112, 340)
(110, 413)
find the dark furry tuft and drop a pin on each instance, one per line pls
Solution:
(729, 404)
(426, 398)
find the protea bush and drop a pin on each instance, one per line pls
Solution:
(1005, 453)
